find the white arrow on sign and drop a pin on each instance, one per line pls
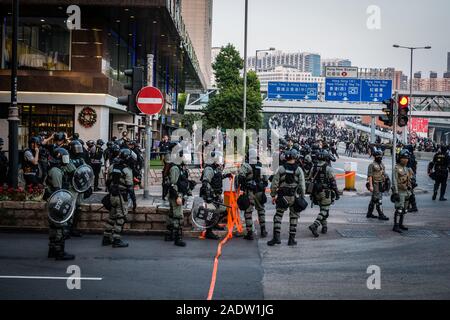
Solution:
(278, 97)
(345, 99)
(150, 100)
(306, 97)
(375, 99)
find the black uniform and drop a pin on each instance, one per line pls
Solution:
(3, 168)
(440, 164)
(96, 156)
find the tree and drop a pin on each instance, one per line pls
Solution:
(225, 109)
(182, 99)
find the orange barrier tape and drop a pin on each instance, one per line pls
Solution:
(345, 175)
(233, 219)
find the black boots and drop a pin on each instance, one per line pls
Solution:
(434, 194)
(370, 214)
(51, 252)
(178, 238)
(291, 241)
(106, 241)
(169, 234)
(211, 235)
(62, 255)
(118, 243)
(396, 222)
(313, 229)
(276, 239)
(249, 236)
(324, 230)
(400, 224)
(263, 232)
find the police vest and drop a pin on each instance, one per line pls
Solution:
(78, 162)
(257, 169)
(97, 156)
(320, 176)
(289, 176)
(183, 181)
(378, 172)
(28, 167)
(403, 178)
(216, 181)
(440, 162)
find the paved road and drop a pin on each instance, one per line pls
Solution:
(333, 266)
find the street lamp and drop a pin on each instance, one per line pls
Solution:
(256, 56)
(405, 133)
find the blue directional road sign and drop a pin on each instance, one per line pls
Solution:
(345, 90)
(357, 90)
(292, 90)
(376, 90)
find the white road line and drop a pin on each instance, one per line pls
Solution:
(363, 176)
(49, 278)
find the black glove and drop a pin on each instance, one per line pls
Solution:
(395, 197)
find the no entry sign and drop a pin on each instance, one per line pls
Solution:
(150, 100)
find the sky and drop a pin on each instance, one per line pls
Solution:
(339, 29)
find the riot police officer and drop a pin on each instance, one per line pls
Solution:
(253, 182)
(30, 165)
(376, 176)
(3, 165)
(77, 159)
(287, 191)
(324, 193)
(178, 191)
(212, 187)
(164, 149)
(402, 188)
(96, 156)
(412, 163)
(119, 183)
(59, 177)
(438, 171)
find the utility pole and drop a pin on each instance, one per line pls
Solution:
(148, 132)
(394, 137)
(13, 117)
(245, 76)
(372, 130)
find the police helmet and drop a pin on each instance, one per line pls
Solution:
(115, 150)
(404, 154)
(377, 153)
(36, 140)
(100, 142)
(60, 156)
(109, 144)
(323, 155)
(76, 136)
(90, 143)
(125, 154)
(59, 136)
(76, 148)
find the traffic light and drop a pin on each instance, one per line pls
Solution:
(388, 118)
(403, 109)
(136, 76)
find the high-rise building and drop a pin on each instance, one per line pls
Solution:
(448, 61)
(433, 75)
(288, 74)
(197, 16)
(400, 81)
(303, 61)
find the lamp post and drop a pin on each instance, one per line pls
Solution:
(13, 117)
(405, 133)
(244, 118)
(256, 56)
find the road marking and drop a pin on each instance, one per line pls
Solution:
(363, 176)
(49, 278)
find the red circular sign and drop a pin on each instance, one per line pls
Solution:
(344, 74)
(150, 100)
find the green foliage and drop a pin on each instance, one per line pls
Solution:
(225, 109)
(182, 99)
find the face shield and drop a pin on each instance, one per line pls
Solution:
(65, 159)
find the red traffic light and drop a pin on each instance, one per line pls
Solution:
(403, 101)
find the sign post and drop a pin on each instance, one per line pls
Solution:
(149, 101)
